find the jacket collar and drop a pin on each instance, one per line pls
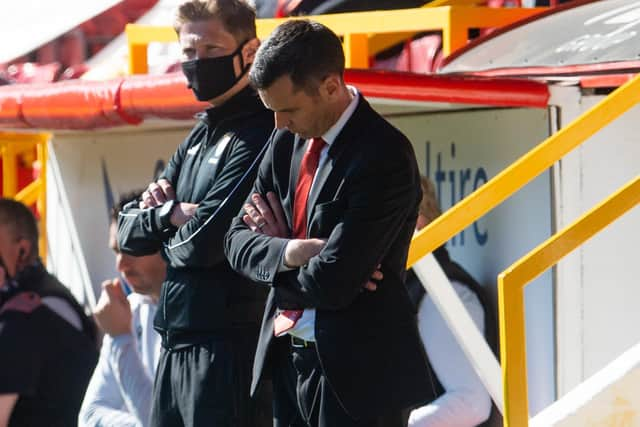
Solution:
(350, 132)
(31, 276)
(334, 131)
(243, 103)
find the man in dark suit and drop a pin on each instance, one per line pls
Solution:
(343, 189)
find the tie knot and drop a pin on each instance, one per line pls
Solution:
(317, 144)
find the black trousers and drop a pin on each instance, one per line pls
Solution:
(304, 398)
(208, 385)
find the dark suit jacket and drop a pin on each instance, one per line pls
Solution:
(365, 202)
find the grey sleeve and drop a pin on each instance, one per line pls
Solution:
(134, 383)
(103, 405)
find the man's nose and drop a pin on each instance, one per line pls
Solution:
(122, 261)
(201, 52)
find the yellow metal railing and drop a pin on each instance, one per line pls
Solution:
(12, 147)
(500, 188)
(523, 170)
(365, 33)
(512, 281)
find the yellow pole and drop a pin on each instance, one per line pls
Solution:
(356, 50)
(138, 59)
(11, 146)
(512, 281)
(523, 170)
(9, 171)
(455, 34)
(513, 356)
(41, 202)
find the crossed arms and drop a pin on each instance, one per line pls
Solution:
(267, 217)
(366, 221)
(195, 239)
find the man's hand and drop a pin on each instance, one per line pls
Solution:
(266, 216)
(377, 275)
(113, 312)
(182, 213)
(7, 403)
(298, 252)
(156, 194)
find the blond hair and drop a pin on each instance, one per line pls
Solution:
(429, 204)
(237, 16)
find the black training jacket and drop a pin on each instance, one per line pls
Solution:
(214, 167)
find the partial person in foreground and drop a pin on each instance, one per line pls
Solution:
(462, 399)
(119, 393)
(47, 343)
(339, 354)
(208, 315)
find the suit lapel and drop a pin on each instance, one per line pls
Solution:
(299, 147)
(347, 136)
(318, 184)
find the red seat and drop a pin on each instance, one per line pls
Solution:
(422, 55)
(74, 72)
(30, 72)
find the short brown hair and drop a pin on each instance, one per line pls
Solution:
(237, 16)
(306, 51)
(20, 220)
(429, 204)
(123, 200)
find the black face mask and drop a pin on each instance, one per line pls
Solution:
(211, 77)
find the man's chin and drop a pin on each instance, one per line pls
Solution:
(140, 289)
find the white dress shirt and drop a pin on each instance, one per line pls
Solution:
(465, 402)
(305, 326)
(119, 393)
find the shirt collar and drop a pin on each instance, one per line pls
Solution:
(333, 132)
(244, 102)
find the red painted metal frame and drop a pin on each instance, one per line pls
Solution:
(90, 105)
(78, 104)
(606, 81)
(461, 90)
(606, 68)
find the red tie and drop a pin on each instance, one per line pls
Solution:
(288, 318)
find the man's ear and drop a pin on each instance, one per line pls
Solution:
(24, 251)
(249, 51)
(330, 86)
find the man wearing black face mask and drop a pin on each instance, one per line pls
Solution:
(208, 316)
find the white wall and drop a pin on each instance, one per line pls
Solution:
(598, 284)
(609, 398)
(129, 155)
